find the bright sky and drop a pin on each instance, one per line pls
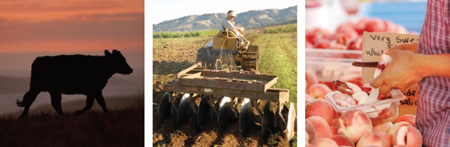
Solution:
(172, 9)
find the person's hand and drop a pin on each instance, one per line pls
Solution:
(407, 46)
(400, 73)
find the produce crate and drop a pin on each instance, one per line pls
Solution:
(379, 112)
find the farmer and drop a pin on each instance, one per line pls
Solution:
(426, 62)
(229, 24)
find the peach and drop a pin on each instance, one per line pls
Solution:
(307, 138)
(310, 78)
(308, 45)
(413, 33)
(360, 97)
(321, 108)
(360, 25)
(397, 126)
(371, 139)
(318, 90)
(354, 124)
(342, 140)
(355, 80)
(321, 127)
(386, 137)
(311, 36)
(332, 37)
(344, 27)
(401, 29)
(384, 127)
(338, 46)
(341, 96)
(342, 102)
(389, 26)
(334, 122)
(387, 114)
(308, 98)
(345, 35)
(407, 118)
(309, 132)
(323, 32)
(374, 25)
(355, 44)
(323, 44)
(333, 130)
(325, 142)
(407, 135)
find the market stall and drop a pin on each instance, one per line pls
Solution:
(342, 55)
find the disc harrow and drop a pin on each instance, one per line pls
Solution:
(228, 97)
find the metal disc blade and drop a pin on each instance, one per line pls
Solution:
(183, 110)
(226, 114)
(267, 120)
(291, 122)
(203, 112)
(245, 116)
(164, 107)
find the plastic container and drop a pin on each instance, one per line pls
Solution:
(329, 65)
(379, 112)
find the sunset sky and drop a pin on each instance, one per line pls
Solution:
(71, 25)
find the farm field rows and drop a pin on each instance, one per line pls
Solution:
(278, 56)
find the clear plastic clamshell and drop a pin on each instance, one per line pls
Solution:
(379, 111)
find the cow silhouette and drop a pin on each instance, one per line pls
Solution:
(73, 74)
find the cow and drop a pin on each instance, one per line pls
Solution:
(73, 74)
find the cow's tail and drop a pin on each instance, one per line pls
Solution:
(28, 98)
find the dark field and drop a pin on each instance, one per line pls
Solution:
(122, 126)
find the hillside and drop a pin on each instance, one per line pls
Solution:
(249, 19)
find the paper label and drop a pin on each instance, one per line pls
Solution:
(374, 45)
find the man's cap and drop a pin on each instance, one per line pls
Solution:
(231, 13)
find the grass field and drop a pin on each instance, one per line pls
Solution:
(120, 127)
(278, 52)
(278, 56)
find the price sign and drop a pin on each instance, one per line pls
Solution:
(374, 45)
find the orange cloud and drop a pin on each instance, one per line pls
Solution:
(48, 10)
(71, 25)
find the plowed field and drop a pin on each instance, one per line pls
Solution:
(170, 55)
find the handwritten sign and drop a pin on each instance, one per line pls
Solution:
(374, 45)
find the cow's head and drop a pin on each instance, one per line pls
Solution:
(118, 62)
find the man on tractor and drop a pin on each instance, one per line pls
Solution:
(228, 24)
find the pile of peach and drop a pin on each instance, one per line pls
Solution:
(348, 36)
(327, 128)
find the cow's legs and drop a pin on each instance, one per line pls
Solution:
(56, 101)
(28, 99)
(101, 101)
(89, 104)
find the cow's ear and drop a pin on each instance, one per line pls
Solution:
(107, 53)
(115, 52)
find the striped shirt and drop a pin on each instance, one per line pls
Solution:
(433, 108)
